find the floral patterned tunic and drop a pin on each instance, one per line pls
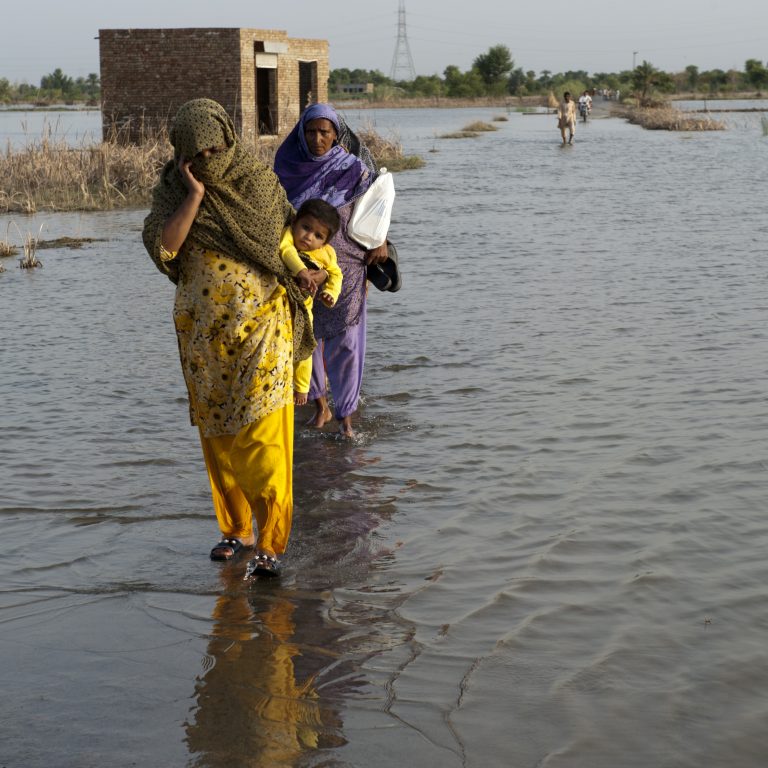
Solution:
(235, 334)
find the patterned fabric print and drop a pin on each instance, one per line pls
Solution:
(349, 307)
(234, 330)
(244, 209)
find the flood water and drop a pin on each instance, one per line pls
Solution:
(547, 547)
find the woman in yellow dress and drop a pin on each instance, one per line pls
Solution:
(214, 228)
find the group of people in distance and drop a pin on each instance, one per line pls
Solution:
(566, 114)
(249, 248)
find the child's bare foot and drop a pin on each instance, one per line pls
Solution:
(299, 398)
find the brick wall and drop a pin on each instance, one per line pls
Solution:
(147, 74)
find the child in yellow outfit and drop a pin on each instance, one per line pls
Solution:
(304, 247)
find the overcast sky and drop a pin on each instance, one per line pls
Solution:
(558, 35)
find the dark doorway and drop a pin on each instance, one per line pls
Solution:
(266, 101)
(307, 83)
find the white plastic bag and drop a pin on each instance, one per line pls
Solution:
(369, 222)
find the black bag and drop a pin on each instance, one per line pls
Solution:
(386, 275)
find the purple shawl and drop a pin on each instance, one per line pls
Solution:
(337, 177)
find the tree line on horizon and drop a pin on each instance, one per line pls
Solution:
(55, 88)
(492, 74)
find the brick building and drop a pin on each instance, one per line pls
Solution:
(263, 78)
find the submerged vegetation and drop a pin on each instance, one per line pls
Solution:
(666, 118)
(30, 260)
(6, 248)
(479, 127)
(470, 131)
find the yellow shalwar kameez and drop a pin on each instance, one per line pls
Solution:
(240, 318)
(234, 330)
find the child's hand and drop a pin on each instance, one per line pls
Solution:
(305, 282)
(327, 299)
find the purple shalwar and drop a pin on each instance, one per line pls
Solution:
(341, 358)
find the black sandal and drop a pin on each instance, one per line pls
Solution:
(263, 565)
(226, 549)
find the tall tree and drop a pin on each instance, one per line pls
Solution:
(495, 65)
(755, 73)
(644, 77)
(57, 81)
(692, 73)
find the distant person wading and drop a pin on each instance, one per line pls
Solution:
(566, 118)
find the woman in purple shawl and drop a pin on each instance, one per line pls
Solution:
(322, 158)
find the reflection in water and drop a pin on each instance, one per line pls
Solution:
(284, 658)
(254, 706)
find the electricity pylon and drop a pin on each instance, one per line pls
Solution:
(402, 61)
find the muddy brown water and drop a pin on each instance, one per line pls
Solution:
(546, 548)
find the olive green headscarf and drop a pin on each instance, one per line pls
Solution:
(244, 209)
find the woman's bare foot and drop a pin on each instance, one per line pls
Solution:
(322, 414)
(345, 428)
(299, 398)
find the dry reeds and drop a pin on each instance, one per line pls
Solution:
(30, 260)
(670, 119)
(470, 131)
(388, 152)
(479, 127)
(50, 174)
(6, 249)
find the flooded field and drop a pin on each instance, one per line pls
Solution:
(547, 546)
